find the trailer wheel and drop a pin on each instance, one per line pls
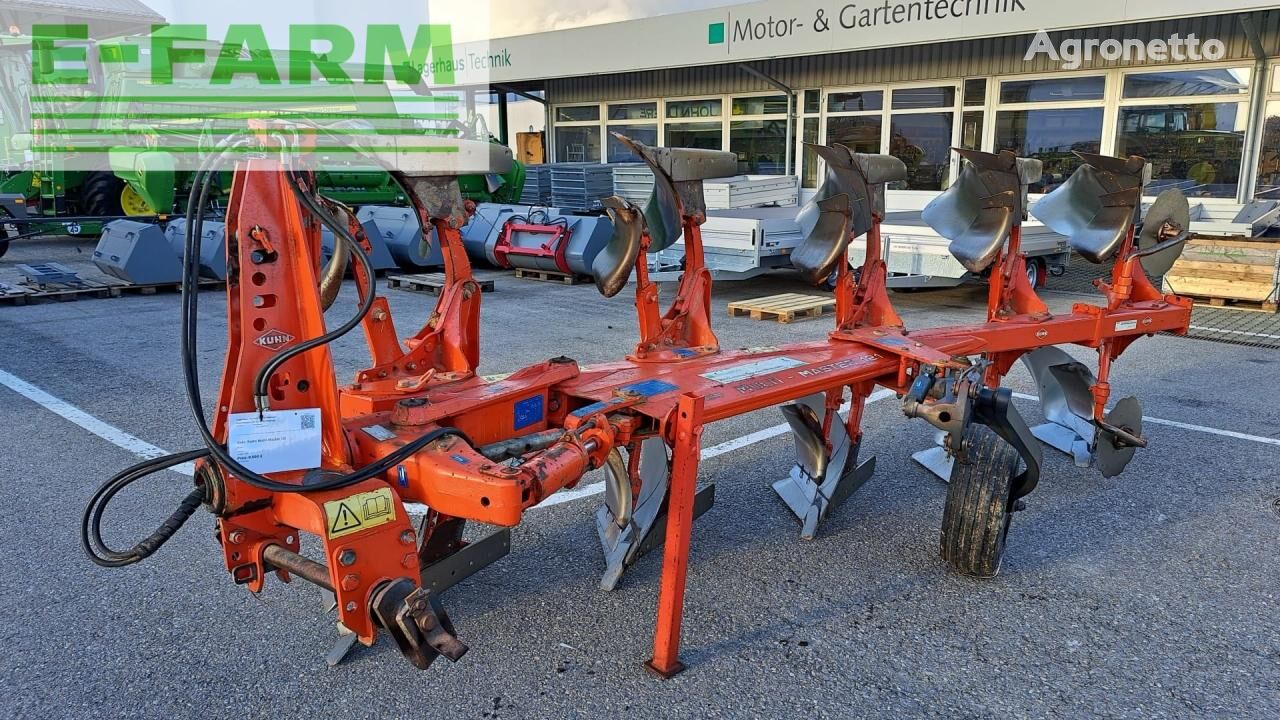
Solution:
(1033, 272)
(975, 521)
(4, 246)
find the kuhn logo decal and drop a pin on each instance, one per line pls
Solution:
(274, 339)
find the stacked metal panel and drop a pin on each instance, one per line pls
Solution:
(633, 182)
(537, 185)
(580, 186)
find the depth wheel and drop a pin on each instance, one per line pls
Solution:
(975, 521)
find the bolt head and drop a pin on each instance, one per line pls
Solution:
(406, 537)
(351, 606)
(350, 582)
(347, 557)
(236, 537)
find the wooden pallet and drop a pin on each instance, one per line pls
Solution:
(1240, 272)
(431, 283)
(783, 308)
(548, 276)
(1235, 304)
(23, 294)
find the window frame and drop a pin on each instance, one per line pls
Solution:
(728, 118)
(556, 124)
(887, 111)
(1251, 135)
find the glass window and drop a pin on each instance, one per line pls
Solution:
(855, 101)
(760, 105)
(1177, 83)
(681, 109)
(706, 135)
(761, 146)
(1052, 89)
(923, 142)
(1194, 147)
(971, 130)
(634, 111)
(813, 101)
(1275, 79)
(1050, 136)
(975, 91)
(809, 166)
(579, 113)
(578, 144)
(1269, 157)
(619, 153)
(924, 97)
(860, 133)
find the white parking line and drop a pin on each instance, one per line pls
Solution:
(144, 449)
(106, 431)
(1236, 332)
(1189, 426)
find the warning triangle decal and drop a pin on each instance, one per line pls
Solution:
(344, 520)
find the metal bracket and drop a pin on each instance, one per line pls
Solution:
(995, 409)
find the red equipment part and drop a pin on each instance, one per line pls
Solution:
(555, 247)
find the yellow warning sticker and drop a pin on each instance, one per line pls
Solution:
(359, 512)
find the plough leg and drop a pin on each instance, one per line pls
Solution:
(675, 563)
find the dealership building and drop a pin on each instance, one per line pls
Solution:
(1191, 85)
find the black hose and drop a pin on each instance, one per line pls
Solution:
(344, 242)
(91, 522)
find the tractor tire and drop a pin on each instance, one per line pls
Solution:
(975, 521)
(100, 195)
(5, 233)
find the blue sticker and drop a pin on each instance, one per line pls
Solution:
(684, 352)
(460, 459)
(648, 388)
(528, 412)
(591, 409)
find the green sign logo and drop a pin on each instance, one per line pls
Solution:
(715, 33)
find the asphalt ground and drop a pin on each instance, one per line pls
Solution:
(1153, 594)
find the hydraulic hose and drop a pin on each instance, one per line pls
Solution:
(91, 522)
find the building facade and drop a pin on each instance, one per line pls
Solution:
(1207, 119)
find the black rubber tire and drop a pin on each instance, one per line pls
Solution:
(1034, 272)
(975, 521)
(100, 195)
(4, 247)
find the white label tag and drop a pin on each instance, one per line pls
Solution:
(1126, 325)
(282, 440)
(752, 369)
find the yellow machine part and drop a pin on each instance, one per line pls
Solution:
(133, 204)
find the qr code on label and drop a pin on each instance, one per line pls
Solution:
(308, 421)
